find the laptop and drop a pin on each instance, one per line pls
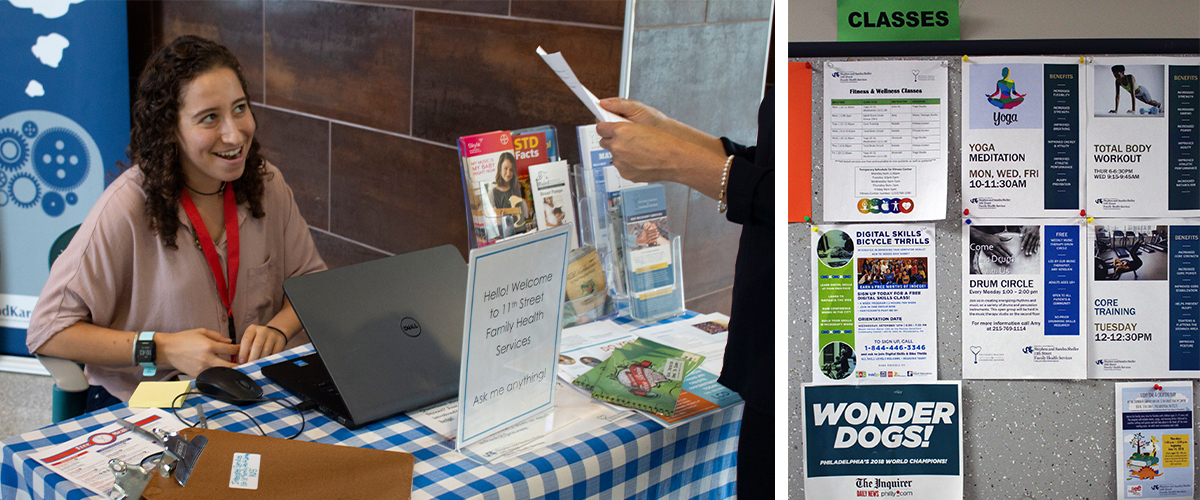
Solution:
(387, 333)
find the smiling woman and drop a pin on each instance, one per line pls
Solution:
(125, 297)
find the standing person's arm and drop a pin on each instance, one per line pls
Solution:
(653, 147)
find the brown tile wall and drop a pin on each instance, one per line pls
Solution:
(359, 104)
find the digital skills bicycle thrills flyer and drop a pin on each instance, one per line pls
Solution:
(1144, 303)
(1155, 440)
(875, 304)
(1024, 299)
(888, 440)
(1022, 133)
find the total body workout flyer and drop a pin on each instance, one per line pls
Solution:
(1143, 138)
(885, 141)
(875, 304)
(1144, 304)
(1022, 127)
(1024, 299)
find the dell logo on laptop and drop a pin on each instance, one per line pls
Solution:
(410, 327)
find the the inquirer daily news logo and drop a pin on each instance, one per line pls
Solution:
(885, 205)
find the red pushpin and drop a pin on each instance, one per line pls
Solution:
(1157, 387)
(808, 65)
(966, 211)
(1083, 213)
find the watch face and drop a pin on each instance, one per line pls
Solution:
(145, 351)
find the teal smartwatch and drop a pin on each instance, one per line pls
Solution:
(144, 353)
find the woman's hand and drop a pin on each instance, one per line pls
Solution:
(259, 342)
(654, 148)
(196, 350)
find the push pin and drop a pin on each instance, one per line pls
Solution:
(968, 221)
(1083, 213)
(1082, 60)
(1090, 219)
(964, 58)
(808, 65)
(966, 211)
(815, 229)
(807, 219)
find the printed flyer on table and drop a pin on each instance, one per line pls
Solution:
(1142, 137)
(885, 141)
(1145, 299)
(1021, 132)
(1024, 299)
(1155, 440)
(888, 440)
(875, 303)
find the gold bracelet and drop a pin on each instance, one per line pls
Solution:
(721, 205)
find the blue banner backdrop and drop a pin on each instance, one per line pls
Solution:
(64, 124)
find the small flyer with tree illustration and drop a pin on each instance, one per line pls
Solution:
(1154, 440)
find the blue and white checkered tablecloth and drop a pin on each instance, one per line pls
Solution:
(632, 458)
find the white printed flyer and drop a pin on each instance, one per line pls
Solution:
(1155, 439)
(875, 304)
(84, 460)
(1142, 137)
(1144, 303)
(889, 440)
(1024, 299)
(1022, 123)
(886, 137)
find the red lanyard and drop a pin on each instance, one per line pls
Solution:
(210, 250)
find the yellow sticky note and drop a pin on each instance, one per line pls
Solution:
(159, 394)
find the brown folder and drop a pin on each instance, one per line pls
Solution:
(289, 469)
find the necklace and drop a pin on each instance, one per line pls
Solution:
(218, 191)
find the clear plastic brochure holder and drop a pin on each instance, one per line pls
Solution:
(601, 223)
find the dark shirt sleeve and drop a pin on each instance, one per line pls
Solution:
(750, 192)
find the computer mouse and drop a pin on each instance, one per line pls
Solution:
(229, 385)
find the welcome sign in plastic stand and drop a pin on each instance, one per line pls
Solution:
(512, 326)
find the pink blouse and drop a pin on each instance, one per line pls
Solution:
(118, 274)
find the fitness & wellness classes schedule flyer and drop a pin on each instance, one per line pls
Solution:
(1155, 440)
(1022, 130)
(875, 303)
(1024, 299)
(1143, 142)
(1144, 304)
(885, 141)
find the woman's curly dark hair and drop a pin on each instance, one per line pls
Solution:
(153, 144)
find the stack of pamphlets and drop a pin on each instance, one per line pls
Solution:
(643, 244)
(642, 374)
(496, 186)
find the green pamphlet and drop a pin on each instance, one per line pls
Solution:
(643, 374)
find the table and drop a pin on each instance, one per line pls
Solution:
(632, 458)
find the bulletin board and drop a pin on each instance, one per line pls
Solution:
(1042, 439)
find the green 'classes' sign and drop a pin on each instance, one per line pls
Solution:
(892, 20)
